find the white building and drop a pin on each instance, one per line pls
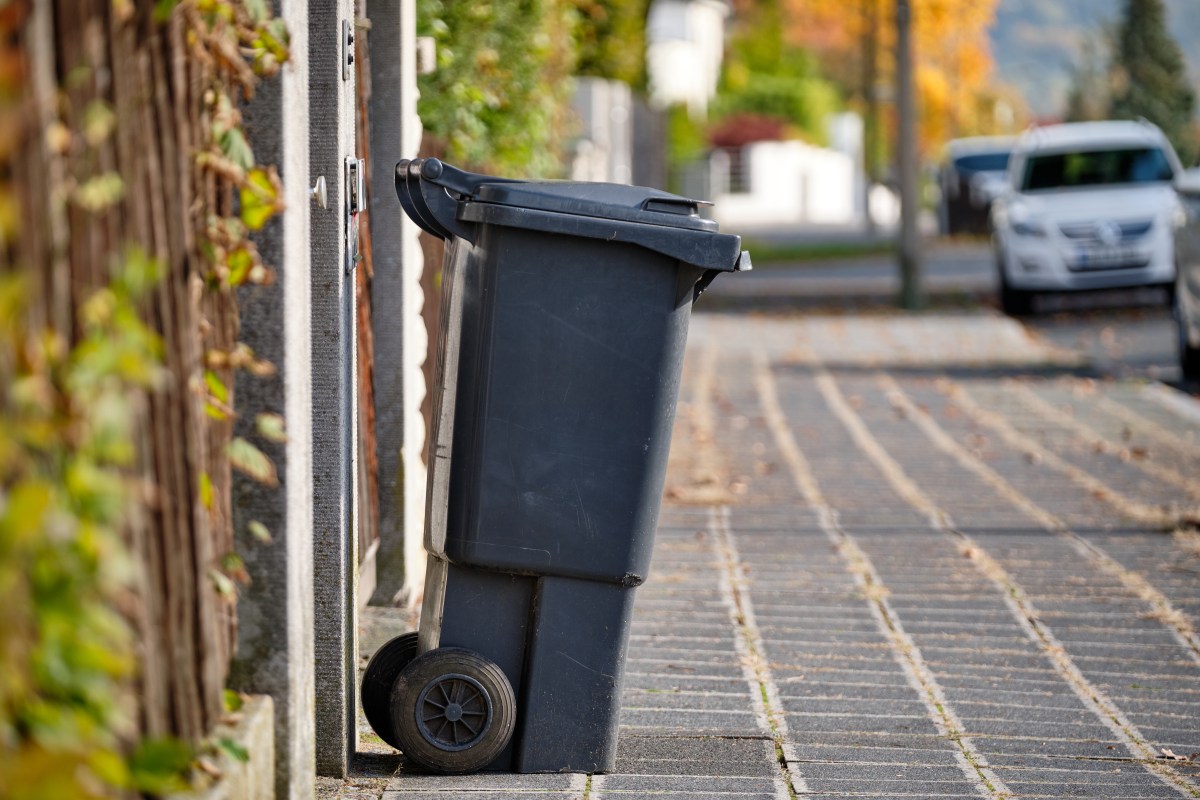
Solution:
(685, 41)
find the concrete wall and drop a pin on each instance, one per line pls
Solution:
(275, 612)
(297, 619)
(604, 111)
(334, 390)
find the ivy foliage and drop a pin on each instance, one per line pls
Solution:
(70, 419)
(611, 37)
(496, 99)
(67, 436)
(499, 98)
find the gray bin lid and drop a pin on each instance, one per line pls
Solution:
(448, 202)
(601, 200)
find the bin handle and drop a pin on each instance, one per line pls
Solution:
(741, 265)
(406, 199)
(466, 184)
(429, 205)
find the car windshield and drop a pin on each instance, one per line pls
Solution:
(982, 162)
(1096, 168)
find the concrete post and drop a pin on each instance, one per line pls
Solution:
(275, 612)
(334, 395)
(911, 296)
(396, 300)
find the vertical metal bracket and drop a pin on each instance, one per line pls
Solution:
(347, 49)
(355, 200)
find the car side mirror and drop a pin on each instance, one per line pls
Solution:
(1188, 182)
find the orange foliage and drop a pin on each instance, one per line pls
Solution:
(955, 91)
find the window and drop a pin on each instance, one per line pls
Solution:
(982, 162)
(1096, 168)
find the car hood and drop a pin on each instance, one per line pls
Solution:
(1081, 205)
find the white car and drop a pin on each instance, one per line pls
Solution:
(1089, 205)
(1187, 265)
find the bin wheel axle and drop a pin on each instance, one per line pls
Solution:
(453, 711)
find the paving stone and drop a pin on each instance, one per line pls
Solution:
(687, 785)
(480, 794)
(731, 723)
(482, 782)
(1075, 748)
(856, 726)
(692, 755)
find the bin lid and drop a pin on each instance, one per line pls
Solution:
(601, 200)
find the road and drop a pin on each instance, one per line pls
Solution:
(1128, 333)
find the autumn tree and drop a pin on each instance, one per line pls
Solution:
(956, 93)
(769, 85)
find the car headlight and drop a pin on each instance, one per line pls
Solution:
(1028, 227)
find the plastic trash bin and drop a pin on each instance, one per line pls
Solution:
(565, 310)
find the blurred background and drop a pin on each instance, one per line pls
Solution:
(667, 89)
(784, 113)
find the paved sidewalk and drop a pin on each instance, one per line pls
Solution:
(901, 557)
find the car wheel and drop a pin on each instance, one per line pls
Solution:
(1189, 357)
(1013, 302)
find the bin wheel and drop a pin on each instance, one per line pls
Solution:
(453, 710)
(377, 682)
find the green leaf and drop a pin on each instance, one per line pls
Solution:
(235, 750)
(248, 459)
(164, 8)
(233, 566)
(223, 584)
(110, 768)
(233, 700)
(240, 261)
(259, 531)
(216, 387)
(258, 9)
(236, 148)
(98, 122)
(138, 272)
(271, 427)
(206, 490)
(159, 766)
(100, 192)
(259, 199)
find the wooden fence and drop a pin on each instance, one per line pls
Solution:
(119, 105)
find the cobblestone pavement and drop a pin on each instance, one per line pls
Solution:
(901, 557)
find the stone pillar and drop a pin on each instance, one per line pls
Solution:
(334, 387)
(275, 612)
(396, 299)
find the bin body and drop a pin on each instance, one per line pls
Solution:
(566, 397)
(565, 315)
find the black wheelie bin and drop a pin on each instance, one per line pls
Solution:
(565, 311)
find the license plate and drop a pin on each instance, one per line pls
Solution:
(1108, 257)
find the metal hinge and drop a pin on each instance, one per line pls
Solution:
(347, 49)
(355, 204)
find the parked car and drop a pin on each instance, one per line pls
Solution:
(971, 176)
(1187, 272)
(1089, 205)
